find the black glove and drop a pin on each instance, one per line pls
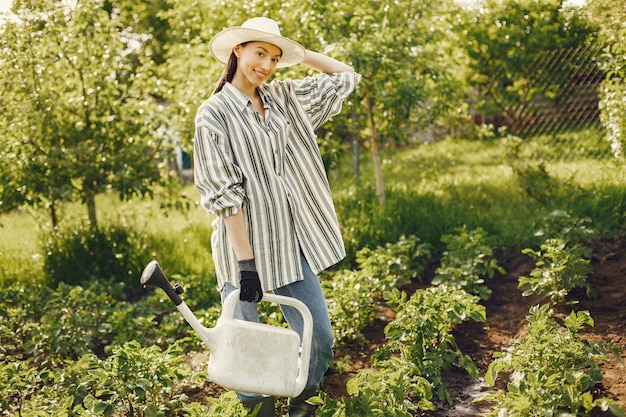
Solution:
(249, 283)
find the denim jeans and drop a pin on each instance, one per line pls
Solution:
(309, 291)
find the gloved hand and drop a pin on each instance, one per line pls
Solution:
(249, 283)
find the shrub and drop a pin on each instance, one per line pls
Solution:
(78, 255)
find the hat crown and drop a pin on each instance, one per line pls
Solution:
(262, 24)
(261, 29)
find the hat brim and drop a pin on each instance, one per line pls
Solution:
(222, 44)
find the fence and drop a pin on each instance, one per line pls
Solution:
(565, 117)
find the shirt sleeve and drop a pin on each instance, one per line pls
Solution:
(216, 177)
(322, 95)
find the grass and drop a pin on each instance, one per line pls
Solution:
(436, 188)
(179, 239)
(431, 190)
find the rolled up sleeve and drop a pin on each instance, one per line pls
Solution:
(217, 178)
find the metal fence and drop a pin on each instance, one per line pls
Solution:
(564, 119)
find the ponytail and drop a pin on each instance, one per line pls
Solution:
(229, 71)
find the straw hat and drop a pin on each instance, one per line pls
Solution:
(261, 29)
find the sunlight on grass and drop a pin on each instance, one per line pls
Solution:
(183, 236)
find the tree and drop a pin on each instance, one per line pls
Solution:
(506, 41)
(409, 58)
(81, 118)
(611, 15)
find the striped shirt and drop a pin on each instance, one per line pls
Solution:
(272, 170)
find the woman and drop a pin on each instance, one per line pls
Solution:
(259, 170)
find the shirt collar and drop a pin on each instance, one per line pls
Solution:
(233, 93)
(242, 100)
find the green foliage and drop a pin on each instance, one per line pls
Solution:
(81, 118)
(467, 261)
(422, 332)
(396, 264)
(74, 324)
(352, 294)
(561, 224)
(133, 381)
(395, 391)
(78, 255)
(559, 269)
(226, 404)
(552, 370)
(505, 42)
(610, 15)
(530, 171)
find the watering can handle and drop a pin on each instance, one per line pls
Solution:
(228, 311)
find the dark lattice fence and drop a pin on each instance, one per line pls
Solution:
(564, 118)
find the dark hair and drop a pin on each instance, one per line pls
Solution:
(229, 71)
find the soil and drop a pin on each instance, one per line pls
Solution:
(506, 319)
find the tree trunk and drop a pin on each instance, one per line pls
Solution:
(53, 216)
(90, 200)
(378, 172)
(356, 154)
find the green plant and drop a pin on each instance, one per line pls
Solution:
(133, 381)
(393, 391)
(19, 381)
(467, 260)
(559, 269)
(531, 172)
(75, 323)
(352, 294)
(561, 224)
(552, 370)
(82, 254)
(226, 405)
(350, 297)
(395, 264)
(422, 332)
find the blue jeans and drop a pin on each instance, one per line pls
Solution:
(309, 291)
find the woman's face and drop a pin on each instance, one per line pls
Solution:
(256, 62)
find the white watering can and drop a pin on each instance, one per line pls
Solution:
(245, 356)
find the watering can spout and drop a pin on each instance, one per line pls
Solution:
(240, 359)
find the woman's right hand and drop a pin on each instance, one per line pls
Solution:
(250, 287)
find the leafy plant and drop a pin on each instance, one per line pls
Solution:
(552, 370)
(394, 391)
(350, 298)
(82, 254)
(395, 264)
(559, 269)
(19, 381)
(75, 323)
(351, 294)
(561, 224)
(226, 404)
(422, 332)
(467, 260)
(133, 381)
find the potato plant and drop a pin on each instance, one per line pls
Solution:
(552, 371)
(421, 333)
(467, 261)
(559, 269)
